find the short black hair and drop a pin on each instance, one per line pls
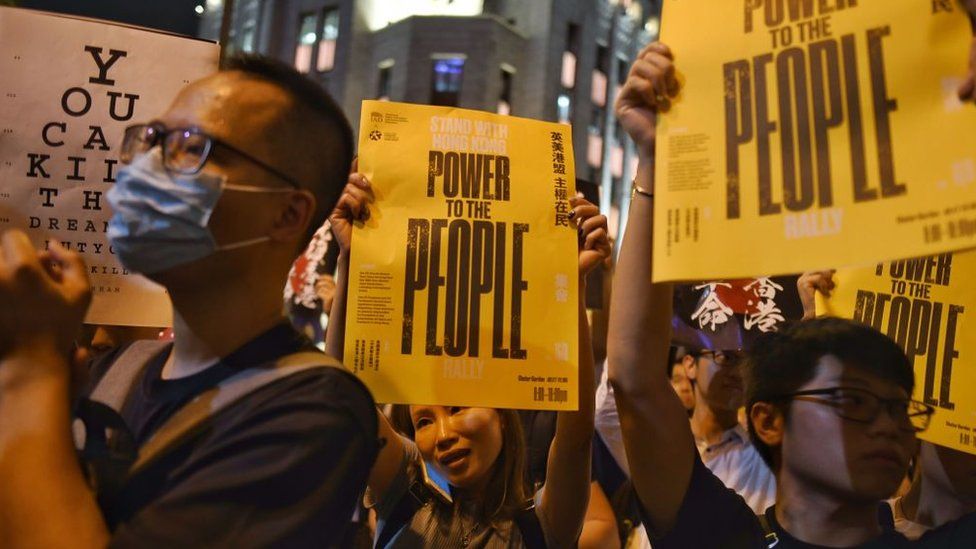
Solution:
(676, 354)
(780, 363)
(312, 96)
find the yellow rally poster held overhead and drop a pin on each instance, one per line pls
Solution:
(464, 287)
(925, 305)
(812, 133)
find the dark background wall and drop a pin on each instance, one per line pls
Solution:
(177, 16)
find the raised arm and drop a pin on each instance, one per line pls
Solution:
(566, 493)
(808, 284)
(44, 500)
(335, 332)
(658, 440)
(353, 206)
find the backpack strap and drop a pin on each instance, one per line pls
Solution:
(887, 513)
(530, 527)
(117, 382)
(102, 438)
(769, 535)
(193, 416)
(416, 497)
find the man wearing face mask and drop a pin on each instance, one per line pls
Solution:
(216, 198)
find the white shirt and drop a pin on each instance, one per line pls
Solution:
(737, 463)
(734, 460)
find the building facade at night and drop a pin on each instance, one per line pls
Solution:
(556, 60)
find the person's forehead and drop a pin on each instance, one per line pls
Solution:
(227, 105)
(832, 372)
(421, 409)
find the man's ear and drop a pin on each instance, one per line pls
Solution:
(768, 422)
(691, 366)
(295, 216)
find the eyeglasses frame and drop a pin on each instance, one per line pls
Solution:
(162, 132)
(885, 403)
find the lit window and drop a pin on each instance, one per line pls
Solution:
(505, 97)
(617, 161)
(247, 40)
(385, 80)
(563, 108)
(446, 81)
(243, 26)
(599, 84)
(330, 35)
(569, 70)
(306, 41)
(594, 150)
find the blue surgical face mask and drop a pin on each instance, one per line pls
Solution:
(161, 219)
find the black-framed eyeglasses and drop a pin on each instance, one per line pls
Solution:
(863, 406)
(722, 358)
(185, 150)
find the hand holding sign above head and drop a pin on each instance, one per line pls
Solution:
(43, 297)
(353, 206)
(650, 86)
(809, 284)
(594, 240)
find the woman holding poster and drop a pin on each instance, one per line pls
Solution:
(454, 476)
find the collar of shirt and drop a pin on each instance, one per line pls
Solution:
(280, 340)
(732, 438)
(886, 540)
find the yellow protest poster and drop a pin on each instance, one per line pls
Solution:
(463, 287)
(925, 305)
(813, 133)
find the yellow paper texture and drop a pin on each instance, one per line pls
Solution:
(925, 305)
(813, 133)
(464, 287)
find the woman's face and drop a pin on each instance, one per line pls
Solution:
(463, 443)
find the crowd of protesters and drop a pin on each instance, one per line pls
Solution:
(233, 429)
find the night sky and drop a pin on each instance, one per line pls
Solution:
(169, 15)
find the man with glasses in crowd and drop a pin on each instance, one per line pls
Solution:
(678, 372)
(216, 198)
(943, 483)
(828, 401)
(724, 445)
